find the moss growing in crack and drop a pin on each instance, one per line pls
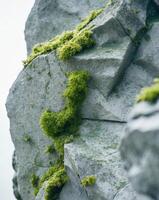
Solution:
(44, 48)
(89, 18)
(88, 181)
(60, 141)
(150, 94)
(61, 127)
(82, 40)
(68, 43)
(55, 184)
(55, 177)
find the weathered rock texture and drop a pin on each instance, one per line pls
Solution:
(119, 68)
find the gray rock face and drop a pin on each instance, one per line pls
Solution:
(96, 153)
(116, 77)
(139, 149)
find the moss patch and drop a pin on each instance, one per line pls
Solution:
(150, 94)
(88, 181)
(68, 43)
(65, 123)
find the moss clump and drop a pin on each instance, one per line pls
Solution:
(80, 41)
(68, 43)
(50, 172)
(55, 177)
(65, 123)
(150, 94)
(88, 181)
(55, 184)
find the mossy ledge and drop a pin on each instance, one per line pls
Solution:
(150, 94)
(68, 43)
(88, 181)
(62, 127)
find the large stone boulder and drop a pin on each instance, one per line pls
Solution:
(139, 149)
(116, 77)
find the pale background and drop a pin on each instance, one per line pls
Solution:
(13, 14)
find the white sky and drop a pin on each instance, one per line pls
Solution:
(13, 14)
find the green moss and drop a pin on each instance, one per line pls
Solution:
(50, 149)
(89, 18)
(50, 172)
(27, 138)
(66, 122)
(35, 182)
(60, 141)
(82, 40)
(55, 177)
(44, 48)
(55, 184)
(68, 43)
(88, 181)
(150, 94)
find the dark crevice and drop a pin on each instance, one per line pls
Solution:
(104, 120)
(49, 74)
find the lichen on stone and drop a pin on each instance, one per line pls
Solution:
(68, 43)
(88, 181)
(150, 94)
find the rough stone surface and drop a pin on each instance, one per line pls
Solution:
(95, 153)
(128, 193)
(118, 69)
(139, 149)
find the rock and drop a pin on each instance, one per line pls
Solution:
(36, 88)
(147, 55)
(14, 180)
(49, 18)
(139, 149)
(115, 81)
